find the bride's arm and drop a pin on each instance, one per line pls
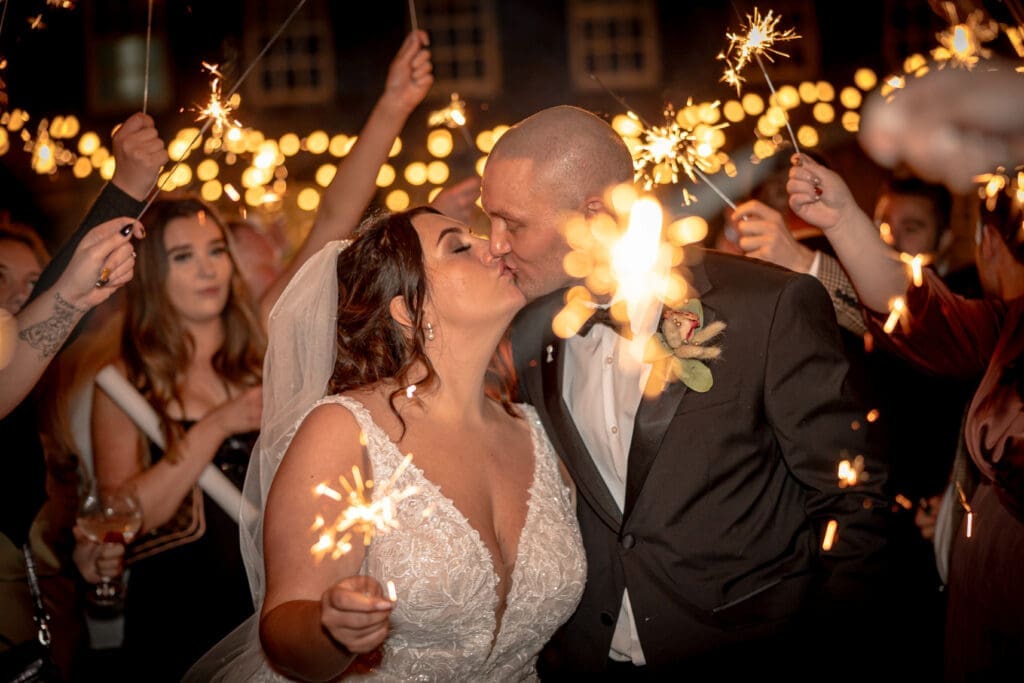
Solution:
(314, 622)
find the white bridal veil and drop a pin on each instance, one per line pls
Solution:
(299, 362)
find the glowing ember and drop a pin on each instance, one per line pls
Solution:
(364, 514)
(967, 508)
(915, 263)
(904, 502)
(830, 535)
(896, 309)
(852, 472)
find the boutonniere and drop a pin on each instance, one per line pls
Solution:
(681, 342)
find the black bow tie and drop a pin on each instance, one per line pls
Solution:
(603, 316)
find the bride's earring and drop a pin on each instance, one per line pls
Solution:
(430, 332)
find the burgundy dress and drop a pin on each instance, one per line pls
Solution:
(965, 338)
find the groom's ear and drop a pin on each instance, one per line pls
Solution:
(400, 312)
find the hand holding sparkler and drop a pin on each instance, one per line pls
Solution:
(139, 153)
(765, 235)
(817, 194)
(411, 73)
(355, 613)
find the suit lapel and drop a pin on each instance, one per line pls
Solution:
(654, 415)
(562, 430)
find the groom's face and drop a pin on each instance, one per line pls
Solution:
(526, 225)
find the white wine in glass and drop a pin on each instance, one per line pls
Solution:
(109, 517)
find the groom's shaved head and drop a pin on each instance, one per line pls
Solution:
(576, 154)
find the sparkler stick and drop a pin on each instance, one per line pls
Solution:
(412, 15)
(771, 86)
(209, 121)
(3, 16)
(149, 38)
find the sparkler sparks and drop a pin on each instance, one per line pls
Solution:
(914, 264)
(364, 514)
(452, 116)
(756, 39)
(666, 150)
(961, 44)
(218, 110)
(852, 472)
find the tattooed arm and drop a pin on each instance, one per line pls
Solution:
(104, 255)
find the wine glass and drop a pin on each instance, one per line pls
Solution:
(109, 516)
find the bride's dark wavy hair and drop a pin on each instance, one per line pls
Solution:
(385, 260)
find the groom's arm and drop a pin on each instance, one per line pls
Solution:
(818, 423)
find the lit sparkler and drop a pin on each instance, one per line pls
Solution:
(219, 111)
(365, 514)
(36, 23)
(452, 116)
(754, 40)
(960, 45)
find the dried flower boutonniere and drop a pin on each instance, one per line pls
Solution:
(682, 342)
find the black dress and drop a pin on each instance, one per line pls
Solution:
(183, 600)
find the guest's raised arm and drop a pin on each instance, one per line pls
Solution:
(346, 198)
(103, 261)
(139, 153)
(822, 198)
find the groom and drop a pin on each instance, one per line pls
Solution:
(703, 513)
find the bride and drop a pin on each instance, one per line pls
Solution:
(390, 337)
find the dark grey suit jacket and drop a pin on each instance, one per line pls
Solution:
(728, 492)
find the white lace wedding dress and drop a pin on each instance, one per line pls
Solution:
(443, 625)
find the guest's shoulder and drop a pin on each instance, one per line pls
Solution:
(731, 270)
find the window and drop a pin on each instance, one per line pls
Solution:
(298, 68)
(117, 58)
(463, 45)
(617, 41)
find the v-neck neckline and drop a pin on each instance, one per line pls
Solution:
(497, 629)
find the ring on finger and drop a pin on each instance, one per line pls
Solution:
(104, 277)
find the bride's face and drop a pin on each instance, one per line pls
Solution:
(467, 286)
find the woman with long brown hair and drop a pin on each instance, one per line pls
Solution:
(378, 348)
(193, 346)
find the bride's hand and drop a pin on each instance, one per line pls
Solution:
(355, 613)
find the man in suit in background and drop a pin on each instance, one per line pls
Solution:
(702, 513)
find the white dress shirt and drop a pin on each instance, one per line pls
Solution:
(602, 384)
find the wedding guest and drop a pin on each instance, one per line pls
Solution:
(386, 342)
(22, 258)
(69, 286)
(193, 346)
(918, 414)
(702, 511)
(964, 338)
